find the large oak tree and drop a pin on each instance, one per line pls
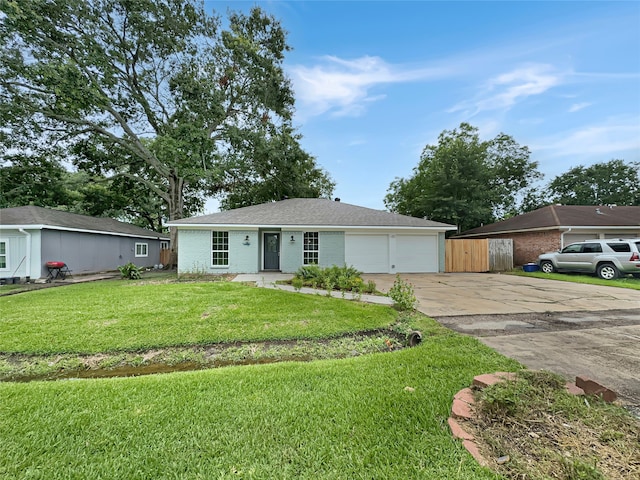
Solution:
(465, 181)
(155, 91)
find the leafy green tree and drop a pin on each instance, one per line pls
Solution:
(534, 198)
(463, 180)
(44, 182)
(608, 183)
(116, 197)
(156, 91)
(31, 180)
(278, 169)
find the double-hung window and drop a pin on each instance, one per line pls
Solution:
(142, 249)
(4, 265)
(220, 249)
(310, 249)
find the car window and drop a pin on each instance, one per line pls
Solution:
(573, 248)
(620, 247)
(591, 248)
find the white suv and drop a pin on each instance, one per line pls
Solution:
(607, 258)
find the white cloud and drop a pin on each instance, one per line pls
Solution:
(356, 142)
(606, 140)
(505, 90)
(343, 86)
(578, 106)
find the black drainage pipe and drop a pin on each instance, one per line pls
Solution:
(414, 338)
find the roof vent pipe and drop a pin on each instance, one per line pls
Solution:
(337, 199)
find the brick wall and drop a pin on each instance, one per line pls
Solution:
(528, 245)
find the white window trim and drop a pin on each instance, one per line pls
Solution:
(227, 250)
(146, 250)
(304, 250)
(6, 255)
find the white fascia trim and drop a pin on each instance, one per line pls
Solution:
(542, 229)
(79, 230)
(220, 226)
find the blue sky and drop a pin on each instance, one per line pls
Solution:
(377, 81)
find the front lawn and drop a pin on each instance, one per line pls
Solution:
(330, 419)
(624, 282)
(376, 415)
(336, 419)
(110, 316)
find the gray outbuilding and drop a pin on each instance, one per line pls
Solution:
(31, 236)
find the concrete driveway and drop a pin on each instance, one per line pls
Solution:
(569, 328)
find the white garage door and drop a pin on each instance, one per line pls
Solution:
(367, 253)
(416, 253)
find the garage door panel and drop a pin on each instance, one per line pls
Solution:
(416, 253)
(368, 253)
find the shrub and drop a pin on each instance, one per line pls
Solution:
(344, 278)
(309, 272)
(402, 294)
(297, 284)
(130, 271)
(370, 287)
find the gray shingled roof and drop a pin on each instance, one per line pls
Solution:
(554, 216)
(33, 216)
(309, 212)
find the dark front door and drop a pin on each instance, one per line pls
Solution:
(272, 251)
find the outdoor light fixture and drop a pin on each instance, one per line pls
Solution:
(292, 239)
(246, 240)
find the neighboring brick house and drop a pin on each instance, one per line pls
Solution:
(552, 227)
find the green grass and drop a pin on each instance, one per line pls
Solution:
(331, 419)
(351, 418)
(624, 282)
(127, 316)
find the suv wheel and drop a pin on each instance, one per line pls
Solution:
(607, 271)
(547, 267)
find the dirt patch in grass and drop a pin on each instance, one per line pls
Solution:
(532, 429)
(22, 368)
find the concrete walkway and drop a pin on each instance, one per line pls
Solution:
(269, 280)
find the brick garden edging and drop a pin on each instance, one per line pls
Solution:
(462, 407)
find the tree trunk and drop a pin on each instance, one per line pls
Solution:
(176, 212)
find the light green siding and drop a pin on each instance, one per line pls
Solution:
(291, 252)
(331, 246)
(194, 252)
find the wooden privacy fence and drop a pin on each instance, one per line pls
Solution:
(482, 255)
(165, 256)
